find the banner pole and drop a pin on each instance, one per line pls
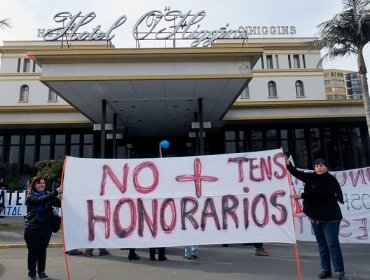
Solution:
(291, 205)
(64, 244)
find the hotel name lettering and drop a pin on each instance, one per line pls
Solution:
(157, 25)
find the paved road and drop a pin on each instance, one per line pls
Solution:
(215, 262)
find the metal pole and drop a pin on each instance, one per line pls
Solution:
(201, 129)
(102, 131)
(115, 135)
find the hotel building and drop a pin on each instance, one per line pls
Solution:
(235, 96)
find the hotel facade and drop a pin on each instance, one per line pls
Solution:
(90, 99)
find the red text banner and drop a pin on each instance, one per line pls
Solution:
(160, 202)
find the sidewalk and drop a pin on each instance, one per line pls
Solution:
(11, 234)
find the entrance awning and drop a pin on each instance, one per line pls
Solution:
(154, 92)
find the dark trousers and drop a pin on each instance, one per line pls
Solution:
(161, 253)
(37, 242)
(258, 245)
(326, 234)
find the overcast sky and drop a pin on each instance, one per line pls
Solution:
(26, 16)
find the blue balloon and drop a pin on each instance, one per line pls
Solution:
(164, 144)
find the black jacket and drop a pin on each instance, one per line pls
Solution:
(39, 209)
(321, 195)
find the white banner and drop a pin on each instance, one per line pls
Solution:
(13, 203)
(355, 225)
(139, 203)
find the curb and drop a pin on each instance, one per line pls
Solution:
(23, 245)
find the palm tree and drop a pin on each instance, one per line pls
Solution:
(347, 33)
(4, 23)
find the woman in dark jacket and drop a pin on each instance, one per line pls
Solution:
(37, 232)
(321, 195)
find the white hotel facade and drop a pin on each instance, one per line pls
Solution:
(261, 93)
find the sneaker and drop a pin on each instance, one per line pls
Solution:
(43, 276)
(31, 277)
(324, 274)
(74, 252)
(103, 252)
(133, 257)
(191, 257)
(261, 252)
(88, 253)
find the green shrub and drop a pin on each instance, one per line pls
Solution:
(49, 169)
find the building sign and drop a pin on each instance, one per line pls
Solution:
(156, 25)
(72, 23)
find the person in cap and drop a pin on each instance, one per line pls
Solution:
(321, 195)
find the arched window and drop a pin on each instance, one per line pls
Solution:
(299, 90)
(272, 89)
(24, 92)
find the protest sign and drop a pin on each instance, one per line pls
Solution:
(138, 203)
(355, 225)
(13, 203)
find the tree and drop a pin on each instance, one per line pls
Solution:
(347, 33)
(50, 170)
(4, 23)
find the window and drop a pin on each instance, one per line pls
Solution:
(26, 65)
(60, 147)
(45, 147)
(271, 139)
(304, 60)
(19, 65)
(52, 96)
(88, 146)
(75, 145)
(29, 154)
(23, 94)
(299, 88)
(296, 61)
(262, 63)
(256, 140)
(272, 89)
(14, 153)
(245, 93)
(289, 61)
(277, 61)
(269, 62)
(301, 148)
(230, 144)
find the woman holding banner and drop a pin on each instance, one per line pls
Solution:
(321, 195)
(37, 232)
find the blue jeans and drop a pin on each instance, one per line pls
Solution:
(192, 250)
(326, 234)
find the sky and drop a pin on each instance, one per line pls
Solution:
(27, 16)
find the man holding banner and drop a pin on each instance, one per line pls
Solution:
(321, 195)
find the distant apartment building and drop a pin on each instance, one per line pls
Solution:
(342, 84)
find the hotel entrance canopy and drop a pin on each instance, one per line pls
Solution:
(154, 92)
